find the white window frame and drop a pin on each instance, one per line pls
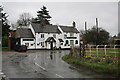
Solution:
(42, 36)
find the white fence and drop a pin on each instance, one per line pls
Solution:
(99, 50)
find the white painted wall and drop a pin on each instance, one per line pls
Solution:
(30, 42)
(58, 36)
(38, 40)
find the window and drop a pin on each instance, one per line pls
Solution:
(28, 39)
(66, 42)
(31, 44)
(71, 34)
(54, 35)
(65, 36)
(27, 44)
(76, 42)
(38, 44)
(42, 35)
(42, 44)
(61, 43)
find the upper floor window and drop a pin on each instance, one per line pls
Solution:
(42, 35)
(71, 34)
(54, 35)
(65, 36)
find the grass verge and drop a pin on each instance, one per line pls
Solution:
(5, 49)
(98, 67)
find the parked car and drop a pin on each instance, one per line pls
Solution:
(21, 48)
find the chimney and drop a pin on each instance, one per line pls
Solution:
(74, 24)
(85, 26)
(97, 24)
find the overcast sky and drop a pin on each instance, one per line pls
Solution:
(64, 13)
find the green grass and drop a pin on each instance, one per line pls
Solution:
(100, 67)
(6, 49)
(101, 52)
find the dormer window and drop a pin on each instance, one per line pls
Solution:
(42, 35)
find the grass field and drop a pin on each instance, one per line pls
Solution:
(101, 52)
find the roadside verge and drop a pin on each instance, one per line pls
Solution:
(97, 67)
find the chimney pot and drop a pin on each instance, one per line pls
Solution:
(74, 24)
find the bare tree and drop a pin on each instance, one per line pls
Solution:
(24, 19)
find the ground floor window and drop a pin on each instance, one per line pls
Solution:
(42, 44)
(67, 42)
(27, 44)
(61, 43)
(31, 44)
(76, 42)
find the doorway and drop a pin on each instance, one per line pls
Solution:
(51, 45)
(72, 42)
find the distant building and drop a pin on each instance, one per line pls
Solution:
(37, 36)
(115, 40)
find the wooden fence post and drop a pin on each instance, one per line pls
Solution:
(115, 50)
(105, 49)
(97, 50)
(90, 50)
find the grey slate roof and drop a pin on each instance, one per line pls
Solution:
(69, 29)
(45, 29)
(25, 33)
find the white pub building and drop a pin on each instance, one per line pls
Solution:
(37, 36)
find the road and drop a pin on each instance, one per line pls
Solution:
(40, 64)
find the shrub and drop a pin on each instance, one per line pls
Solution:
(108, 60)
(4, 41)
(103, 59)
(88, 58)
(119, 63)
(97, 59)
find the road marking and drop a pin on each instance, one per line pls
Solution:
(35, 57)
(40, 66)
(59, 76)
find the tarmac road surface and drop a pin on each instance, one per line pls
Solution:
(40, 64)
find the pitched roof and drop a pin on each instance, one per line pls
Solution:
(69, 29)
(50, 39)
(45, 29)
(25, 33)
(60, 40)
